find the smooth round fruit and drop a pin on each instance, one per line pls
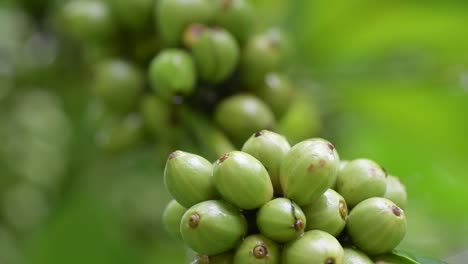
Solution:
(212, 227)
(308, 170)
(314, 247)
(257, 249)
(361, 179)
(242, 115)
(215, 52)
(173, 16)
(281, 220)
(269, 148)
(238, 17)
(156, 116)
(242, 180)
(172, 73)
(189, 178)
(134, 15)
(328, 213)
(118, 84)
(262, 54)
(172, 215)
(24, 207)
(396, 191)
(292, 124)
(354, 256)
(224, 258)
(87, 20)
(341, 167)
(376, 225)
(119, 133)
(277, 91)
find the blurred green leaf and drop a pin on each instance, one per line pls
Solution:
(416, 258)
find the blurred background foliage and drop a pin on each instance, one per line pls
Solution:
(390, 80)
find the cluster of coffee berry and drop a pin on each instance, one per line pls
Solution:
(272, 203)
(169, 70)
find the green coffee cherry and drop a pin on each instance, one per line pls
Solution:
(315, 247)
(242, 115)
(24, 207)
(116, 134)
(262, 54)
(156, 116)
(212, 227)
(173, 16)
(215, 51)
(171, 218)
(224, 258)
(242, 180)
(292, 124)
(396, 191)
(281, 220)
(202, 129)
(376, 225)
(354, 256)
(133, 15)
(257, 249)
(342, 165)
(328, 213)
(172, 72)
(188, 177)
(118, 84)
(269, 148)
(87, 20)
(277, 91)
(238, 17)
(308, 170)
(361, 179)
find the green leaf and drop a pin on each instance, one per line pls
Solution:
(416, 258)
(394, 258)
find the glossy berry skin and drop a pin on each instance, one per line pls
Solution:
(281, 220)
(212, 227)
(376, 225)
(215, 52)
(396, 191)
(308, 170)
(263, 53)
(87, 21)
(269, 148)
(118, 84)
(189, 178)
(257, 249)
(172, 215)
(277, 91)
(242, 115)
(314, 247)
(361, 179)
(355, 256)
(238, 17)
(173, 17)
(328, 213)
(242, 180)
(172, 72)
